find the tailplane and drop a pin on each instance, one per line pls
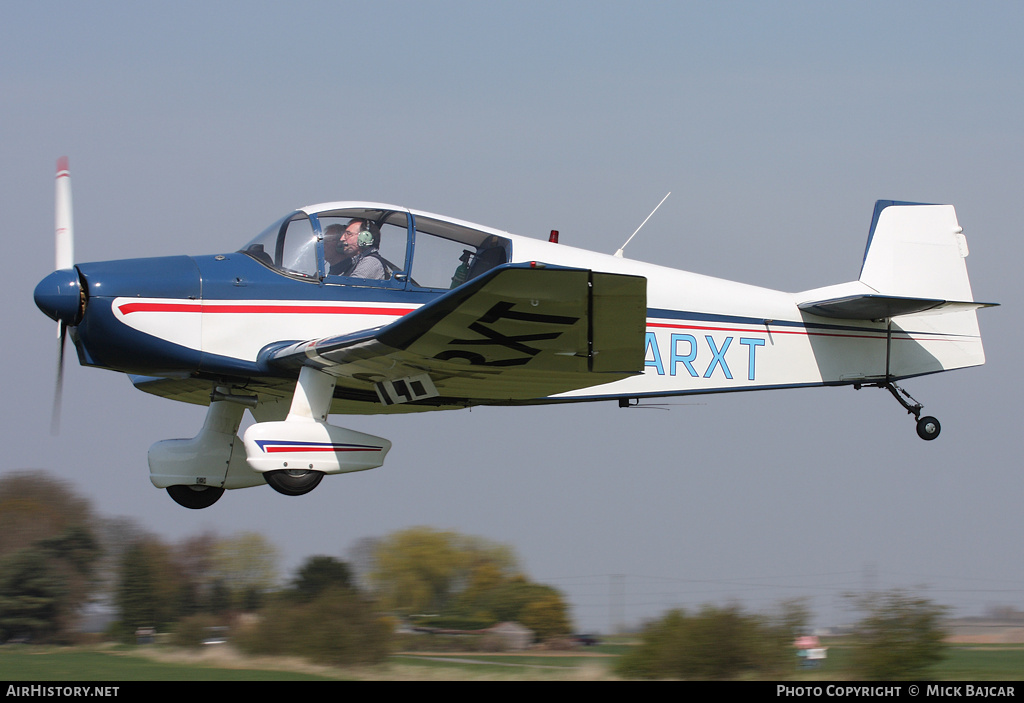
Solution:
(914, 263)
(913, 279)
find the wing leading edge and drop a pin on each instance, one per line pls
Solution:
(515, 333)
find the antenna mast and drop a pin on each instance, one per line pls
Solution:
(619, 252)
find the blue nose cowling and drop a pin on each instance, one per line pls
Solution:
(59, 295)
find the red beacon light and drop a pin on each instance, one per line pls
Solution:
(553, 237)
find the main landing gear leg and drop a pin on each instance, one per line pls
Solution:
(928, 427)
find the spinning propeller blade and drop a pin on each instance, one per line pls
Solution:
(64, 245)
(64, 233)
(59, 389)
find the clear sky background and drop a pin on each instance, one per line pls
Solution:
(192, 125)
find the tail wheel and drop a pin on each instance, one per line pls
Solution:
(195, 497)
(928, 427)
(293, 483)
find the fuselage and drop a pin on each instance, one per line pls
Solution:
(205, 319)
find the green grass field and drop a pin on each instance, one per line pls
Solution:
(21, 663)
(39, 664)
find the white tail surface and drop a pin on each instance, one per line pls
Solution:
(917, 251)
(914, 275)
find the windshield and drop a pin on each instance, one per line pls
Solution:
(288, 245)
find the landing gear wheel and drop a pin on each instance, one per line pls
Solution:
(195, 497)
(928, 427)
(293, 483)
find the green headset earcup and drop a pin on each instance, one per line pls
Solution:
(365, 238)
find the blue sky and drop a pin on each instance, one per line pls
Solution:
(190, 126)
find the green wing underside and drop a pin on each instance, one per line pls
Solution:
(517, 333)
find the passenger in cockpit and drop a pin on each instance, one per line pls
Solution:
(334, 249)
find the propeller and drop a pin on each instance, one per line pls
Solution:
(65, 235)
(65, 259)
(59, 390)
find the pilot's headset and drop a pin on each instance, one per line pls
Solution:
(365, 238)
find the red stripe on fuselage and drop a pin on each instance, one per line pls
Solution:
(233, 309)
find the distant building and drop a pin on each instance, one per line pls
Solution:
(810, 651)
(512, 635)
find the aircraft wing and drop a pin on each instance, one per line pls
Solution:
(516, 333)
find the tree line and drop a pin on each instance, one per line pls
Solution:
(57, 557)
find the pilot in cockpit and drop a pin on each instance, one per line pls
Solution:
(354, 250)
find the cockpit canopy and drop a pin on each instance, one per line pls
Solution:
(414, 249)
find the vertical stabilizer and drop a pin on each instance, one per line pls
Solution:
(916, 251)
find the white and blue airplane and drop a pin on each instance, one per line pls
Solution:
(458, 314)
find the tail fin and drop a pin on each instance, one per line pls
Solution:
(915, 276)
(913, 263)
(916, 251)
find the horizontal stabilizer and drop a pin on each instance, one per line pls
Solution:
(878, 307)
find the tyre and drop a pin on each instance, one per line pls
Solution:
(928, 428)
(195, 497)
(293, 483)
